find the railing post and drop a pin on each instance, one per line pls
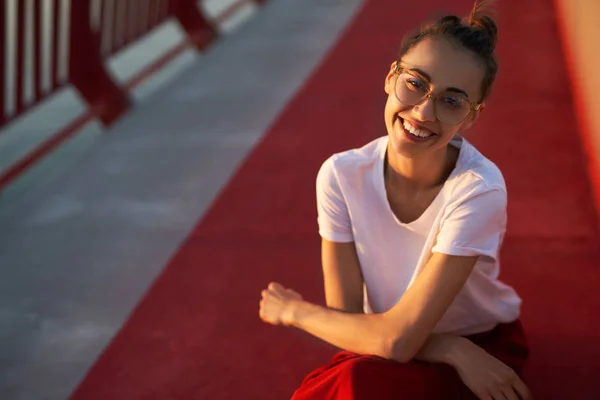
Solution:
(86, 67)
(200, 32)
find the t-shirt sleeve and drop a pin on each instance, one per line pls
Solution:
(475, 227)
(333, 218)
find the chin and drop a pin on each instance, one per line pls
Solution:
(400, 146)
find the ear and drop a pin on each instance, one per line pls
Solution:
(473, 118)
(389, 79)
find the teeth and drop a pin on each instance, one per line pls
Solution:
(415, 131)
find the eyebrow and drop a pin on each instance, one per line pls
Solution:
(428, 78)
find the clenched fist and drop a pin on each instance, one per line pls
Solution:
(277, 304)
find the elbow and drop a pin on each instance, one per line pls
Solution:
(397, 343)
(397, 349)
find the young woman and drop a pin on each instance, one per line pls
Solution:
(411, 226)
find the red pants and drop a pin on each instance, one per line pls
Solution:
(350, 376)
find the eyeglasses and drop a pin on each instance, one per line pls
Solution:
(450, 107)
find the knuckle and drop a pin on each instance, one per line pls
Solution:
(507, 376)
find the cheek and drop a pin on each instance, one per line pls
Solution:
(390, 106)
(449, 131)
(393, 106)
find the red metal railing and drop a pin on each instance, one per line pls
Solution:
(46, 60)
(122, 22)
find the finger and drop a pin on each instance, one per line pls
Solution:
(497, 394)
(264, 314)
(293, 293)
(509, 393)
(522, 389)
(276, 287)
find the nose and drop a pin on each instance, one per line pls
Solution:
(425, 111)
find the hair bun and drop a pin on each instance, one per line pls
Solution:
(480, 19)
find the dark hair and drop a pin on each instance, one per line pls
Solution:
(477, 33)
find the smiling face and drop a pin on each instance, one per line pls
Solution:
(442, 68)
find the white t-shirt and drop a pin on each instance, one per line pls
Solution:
(467, 218)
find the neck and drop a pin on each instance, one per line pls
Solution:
(419, 173)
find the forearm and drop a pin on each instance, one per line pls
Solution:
(356, 332)
(368, 333)
(442, 348)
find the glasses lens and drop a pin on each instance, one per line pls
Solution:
(451, 108)
(410, 89)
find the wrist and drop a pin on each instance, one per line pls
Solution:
(458, 351)
(290, 316)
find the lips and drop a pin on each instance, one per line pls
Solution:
(414, 132)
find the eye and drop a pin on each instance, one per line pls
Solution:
(415, 84)
(454, 101)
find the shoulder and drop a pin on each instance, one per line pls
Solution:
(478, 175)
(349, 162)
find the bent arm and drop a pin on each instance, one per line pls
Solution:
(403, 330)
(343, 282)
(438, 348)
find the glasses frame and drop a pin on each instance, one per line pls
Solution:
(429, 95)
